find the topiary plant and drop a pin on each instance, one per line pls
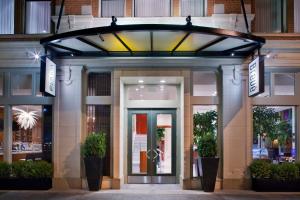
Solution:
(95, 145)
(260, 169)
(32, 169)
(207, 146)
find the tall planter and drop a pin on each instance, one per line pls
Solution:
(208, 173)
(94, 172)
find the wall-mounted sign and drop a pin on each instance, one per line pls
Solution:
(48, 77)
(256, 77)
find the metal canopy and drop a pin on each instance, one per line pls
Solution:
(153, 40)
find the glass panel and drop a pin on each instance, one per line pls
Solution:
(21, 84)
(38, 93)
(137, 41)
(204, 83)
(284, 84)
(268, 16)
(166, 40)
(76, 44)
(38, 15)
(139, 143)
(1, 131)
(98, 119)
(111, 8)
(32, 132)
(99, 84)
(152, 8)
(151, 92)
(1, 83)
(108, 42)
(208, 112)
(266, 93)
(163, 152)
(7, 16)
(194, 8)
(227, 44)
(274, 133)
(195, 41)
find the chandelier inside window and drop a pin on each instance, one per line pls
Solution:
(26, 120)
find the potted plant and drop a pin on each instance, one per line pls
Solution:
(94, 149)
(26, 175)
(205, 126)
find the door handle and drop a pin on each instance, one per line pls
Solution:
(156, 155)
(148, 157)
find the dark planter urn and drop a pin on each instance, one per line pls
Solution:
(94, 172)
(271, 185)
(208, 172)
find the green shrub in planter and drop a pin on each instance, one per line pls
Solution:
(5, 170)
(260, 169)
(207, 146)
(285, 171)
(298, 165)
(32, 169)
(94, 145)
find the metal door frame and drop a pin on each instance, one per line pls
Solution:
(151, 176)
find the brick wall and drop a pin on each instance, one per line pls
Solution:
(290, 16)
(230, 6)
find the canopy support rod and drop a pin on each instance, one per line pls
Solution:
(88, 42)
(245, 16)
(124, 44)
(240, 47)
(211, 44)
(180, 42)
(60, 14)
(65, 48)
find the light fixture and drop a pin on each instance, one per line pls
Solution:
(268, 56)
(44, 31)
(232, 54)
(142, 87)
(141, 81)
(162, 81)
(36, 55)
(136, 89)
(72, 55)
(26, 119)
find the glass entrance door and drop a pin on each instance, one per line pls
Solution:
(151, 146)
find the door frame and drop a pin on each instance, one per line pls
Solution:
(151, 176)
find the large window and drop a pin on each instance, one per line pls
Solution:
(274, 133)
(38, 15)
(32, 137)
(111, 8)
(7, 16)
(269, 16)
(204, 118)
(21, 83)
(152, 8)
(194, 8)
(98, 110)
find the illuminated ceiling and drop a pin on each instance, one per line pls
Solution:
(152, 40)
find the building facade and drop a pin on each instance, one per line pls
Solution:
(131, 97)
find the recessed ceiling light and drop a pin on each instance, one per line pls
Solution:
(162, 81)
(142, 86)
(268, 55)
(232, 54)
(136, 89)
(141, 81)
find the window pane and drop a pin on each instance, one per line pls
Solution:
(1, 83)
(112, 8)
(151, 92)
(284, 84)
(38, 14)
(268, 16)
(99, 84)
(1, 131)
(209, 113)
(32, 132)
(98, 119)
(152, 8)
(21, 84)
(266, 93)
(204, 84)
(274, 133)
(194, 8)
(7, 16)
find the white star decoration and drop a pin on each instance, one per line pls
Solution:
(26, 119)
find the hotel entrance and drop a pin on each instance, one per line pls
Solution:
(151, 146)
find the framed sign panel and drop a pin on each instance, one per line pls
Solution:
(256, 77)
(48, 77)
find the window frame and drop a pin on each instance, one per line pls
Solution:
(204, 9)
(101, 9)
(134, 11)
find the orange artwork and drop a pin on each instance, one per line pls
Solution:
(141, 124)
(143, 161)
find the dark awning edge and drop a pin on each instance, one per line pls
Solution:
(253, 42)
